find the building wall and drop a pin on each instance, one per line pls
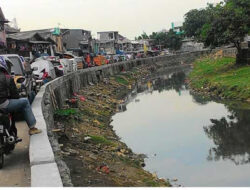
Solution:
(72, 38)
(191, 46)
(2, 36)
(107, 36)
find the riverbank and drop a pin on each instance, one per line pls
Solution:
(221, 78)
(91, 149)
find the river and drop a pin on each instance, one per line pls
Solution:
(188, 139)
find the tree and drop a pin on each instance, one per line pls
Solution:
(143, 36)
(173, 40)
(159, 38)
(194, 21)
(231, 137)
(230, 25)
(227, 22)
(169, 40)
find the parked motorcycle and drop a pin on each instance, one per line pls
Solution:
(8, 135)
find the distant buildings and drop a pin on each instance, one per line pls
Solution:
(77, 40)
(124, 44)
(3, 21)
(107, 42)
(51, 40)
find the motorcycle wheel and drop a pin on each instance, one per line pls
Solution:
(1, 158)
(9, 148)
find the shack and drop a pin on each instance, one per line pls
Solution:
(25, 43)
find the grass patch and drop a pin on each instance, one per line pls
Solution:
(65, 112)
(221, 74)
(151, 183)
(101, 140)
(121, 80)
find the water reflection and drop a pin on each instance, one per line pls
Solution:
(165, 121)
(231, 136)
(168, 81)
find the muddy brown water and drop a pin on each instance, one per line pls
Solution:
(196, 140)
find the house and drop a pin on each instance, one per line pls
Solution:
(124, 44)
(77, 40)
(108, 42)
(3, 21)
(25, 43)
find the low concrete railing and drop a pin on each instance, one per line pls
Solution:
(44, 167)
(44, 170)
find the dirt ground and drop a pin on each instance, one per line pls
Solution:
(90, 147)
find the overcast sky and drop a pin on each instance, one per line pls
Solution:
(129, 17)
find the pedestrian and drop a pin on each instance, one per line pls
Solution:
(10, 102)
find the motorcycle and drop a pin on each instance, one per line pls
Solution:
(8, 135)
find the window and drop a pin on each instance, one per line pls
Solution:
(111, 36)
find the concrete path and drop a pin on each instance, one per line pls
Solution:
(16, 170)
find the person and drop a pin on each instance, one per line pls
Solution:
(88, 59)
(10, 102)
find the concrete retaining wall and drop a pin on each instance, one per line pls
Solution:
(47, 169)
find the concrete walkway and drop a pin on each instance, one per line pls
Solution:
(16, 170)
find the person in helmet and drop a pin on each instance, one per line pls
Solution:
(10, 102)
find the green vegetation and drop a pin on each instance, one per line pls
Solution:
(170, 39)
(221, 77)
(227, 22)
(151, 183)
(121, 80)
(100, 140)
(65, 112)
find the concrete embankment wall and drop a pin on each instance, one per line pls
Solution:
(225, 52)
(47, 169)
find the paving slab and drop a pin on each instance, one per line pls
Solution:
(16, 170)
(46, 175)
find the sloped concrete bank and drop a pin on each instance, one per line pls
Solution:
(47, 168)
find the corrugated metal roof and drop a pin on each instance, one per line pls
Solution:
(38, 35)
(25, 36)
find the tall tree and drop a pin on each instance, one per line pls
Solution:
(143, 36)
(231, 24)
(173, 40)
(194, 21)
(227, 22)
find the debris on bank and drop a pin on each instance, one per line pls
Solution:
(89, 146)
